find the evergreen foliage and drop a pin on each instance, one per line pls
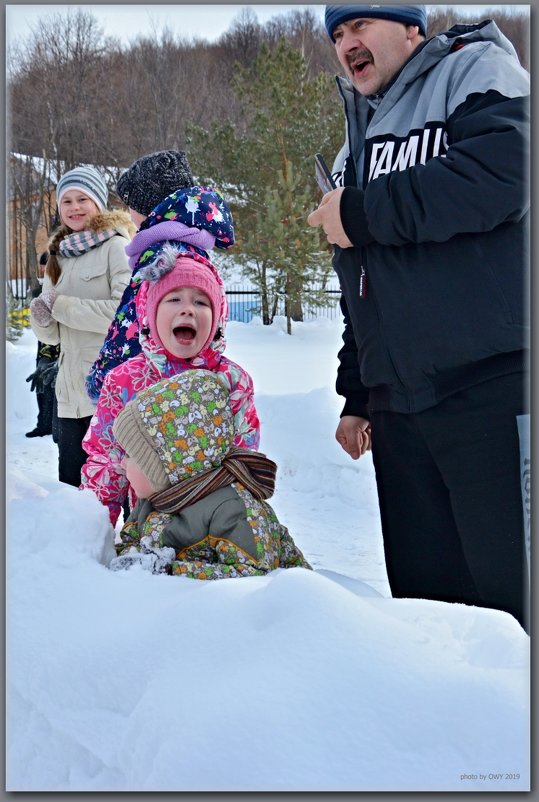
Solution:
(251, 109)
(265, 165)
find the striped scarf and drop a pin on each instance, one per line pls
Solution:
(251, 468)
(83, 241)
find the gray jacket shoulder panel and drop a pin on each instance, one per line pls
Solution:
(220, 515)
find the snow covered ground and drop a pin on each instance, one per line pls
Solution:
(298, 681)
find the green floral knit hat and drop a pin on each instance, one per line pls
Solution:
(177, 428)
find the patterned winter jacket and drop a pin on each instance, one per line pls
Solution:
(194, 219)
(227, 534)
(101, 472)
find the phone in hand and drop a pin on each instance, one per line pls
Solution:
(324, 179)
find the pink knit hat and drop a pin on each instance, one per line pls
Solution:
(171, 271)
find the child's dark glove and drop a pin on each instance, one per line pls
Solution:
(37, 376)
(48, 376)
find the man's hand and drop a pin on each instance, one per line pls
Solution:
(354, 435)
(328, 215)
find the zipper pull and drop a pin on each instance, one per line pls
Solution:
(362, 283)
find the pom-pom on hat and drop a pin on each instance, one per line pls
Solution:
(86, 179)
(151, 178)
(409, 15)
(177, 428)
(173, 269)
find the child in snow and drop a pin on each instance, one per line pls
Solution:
(182, 310)
(85, 277)
(201, 509)
(162, 201)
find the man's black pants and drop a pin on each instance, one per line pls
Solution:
(450, 498)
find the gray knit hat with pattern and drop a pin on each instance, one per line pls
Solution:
(151, 178)
(86, 179)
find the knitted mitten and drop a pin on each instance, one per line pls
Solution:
(49, 297)
(41, 307)
(40, 312)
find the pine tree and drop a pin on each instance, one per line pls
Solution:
(264, 165)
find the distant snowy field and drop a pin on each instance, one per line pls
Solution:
(301, 680)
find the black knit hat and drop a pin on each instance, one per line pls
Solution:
(151, 178)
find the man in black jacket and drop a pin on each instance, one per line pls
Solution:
(430, 226)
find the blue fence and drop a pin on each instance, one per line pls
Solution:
(244, 304)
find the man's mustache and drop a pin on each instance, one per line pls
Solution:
(361, 54)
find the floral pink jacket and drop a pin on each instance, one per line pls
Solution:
(101, 472)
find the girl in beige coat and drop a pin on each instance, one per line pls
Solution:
(87, 271)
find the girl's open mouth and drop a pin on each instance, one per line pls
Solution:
(184, 334)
